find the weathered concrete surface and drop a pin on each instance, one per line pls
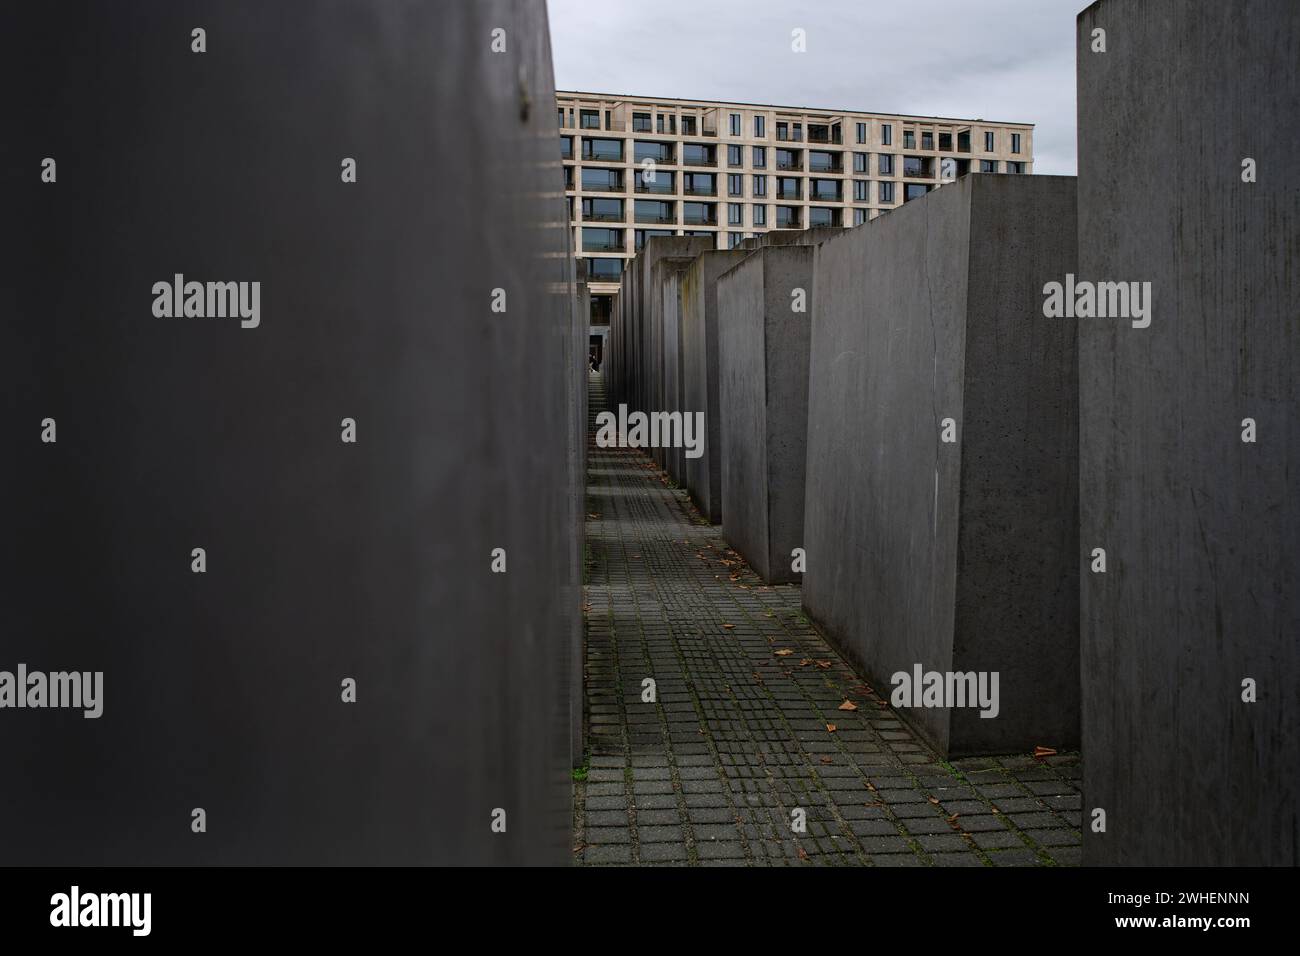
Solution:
(700, 379)
(665, 312)
(1201, 529)
(646, 321)
(791, 237)
(961, 556)
(324, 560)
(763, 402)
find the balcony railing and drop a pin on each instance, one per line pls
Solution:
(602, 187)
(788, 193)
(830, 138)
(653, 218)
(591, 245)
(789, 164)
(655, 187)
(699, 190)
(603, 155)
(814, 167)
(602, 217)
(700, 221)
(783, 136)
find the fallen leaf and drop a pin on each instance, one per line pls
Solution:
(729, 626)
(847, 705)
(870, 786)
(1044, 752)
(934, 800)
(830, 728)
(784, 652)
(586, 607)
(826, 759)
(805, 662)
(802, 855)
(825, 665)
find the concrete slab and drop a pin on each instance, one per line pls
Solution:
(1201, 529)
(763, 405)
(958, 556)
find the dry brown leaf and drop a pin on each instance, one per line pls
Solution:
(784, 652)
(847, 705)
(830, 728)
(729, 626)
(825, 665)
(1044, 752)
(934, 800)
(805, 662)
(802, 854)
(826, 759)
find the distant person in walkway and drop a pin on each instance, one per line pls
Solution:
(595, 361)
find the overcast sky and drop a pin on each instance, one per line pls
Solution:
(1009, 60)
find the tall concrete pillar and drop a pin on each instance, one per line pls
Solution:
(700, 373)
(275, 539)
(764, 325)
(942, 485)
(1189, 180)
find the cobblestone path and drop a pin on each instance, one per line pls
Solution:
(755, 717)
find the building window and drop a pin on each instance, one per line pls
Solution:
(1017, 168)
(988, 142)
(859, 162)
(963, 141)
(735, 214)
(698, 154)
(566, 147)
(654, 181)
(988, 165)
(733, 240)
(760, 185)
(735, 184)
(735, 124)
(859, 216)
(821, 216)
(602, 240)
(887, 193)
(688, 126)
(760, 157)
(787, 187)
(598, 268)
(916, 167)
(590, 119)
(653, 211)
(597, 180)
(699, 184)
(760, 215)
(914, 191)
(860, 190)
(641, 235)
(655, 152)
(862, 132)
(945, 142)
(735, 155)
(602, 210)
(608, 150)
(788, 159)
(640, 122)
(787, 217)
(560, 110)
(699, 214)
(886, 133)
(609, 120)
(886, 164)
(927, 139)
(909, 139)
(759, 124)
(1015, 142)
(824, 189)
(782, 131)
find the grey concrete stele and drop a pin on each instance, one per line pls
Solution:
(700, 374)
(956, 556)
(1201, 529)
(763, 333)
(325, 559)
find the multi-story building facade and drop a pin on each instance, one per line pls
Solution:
(636, 167)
